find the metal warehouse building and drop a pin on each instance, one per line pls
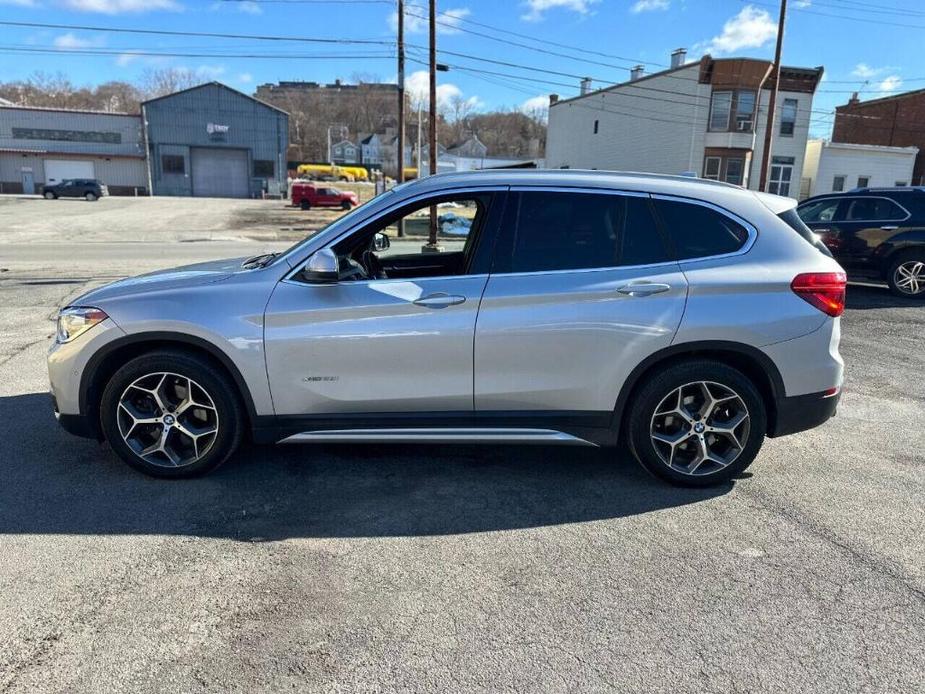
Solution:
(43, 145)
(213, 141)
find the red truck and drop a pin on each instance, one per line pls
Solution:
(307, 195)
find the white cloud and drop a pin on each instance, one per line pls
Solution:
(751, 28)
(246, 6)
(649, 5)
(245, 77)
(210, 71)
(19, 3)
(890, 84)
(417, 85)
(417, 14)
(802, 4)
(121, 6)
(537, 106)
(536, 8)
(71, 41)
(864, 71)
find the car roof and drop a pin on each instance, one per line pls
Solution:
(884, 192)
(716, 192)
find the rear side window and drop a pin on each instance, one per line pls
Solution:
(819, 210)
(576, 231)
(698, 231)
(873, 210)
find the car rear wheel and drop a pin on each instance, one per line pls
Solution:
(906, 275)
(170, 414)
(90, 197)
(345, 205)
(50, 196)
(697, 423)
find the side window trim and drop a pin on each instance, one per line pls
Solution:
(513, 190)
(748, 226)
(382, 215)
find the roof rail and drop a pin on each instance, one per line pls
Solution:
(887, 189)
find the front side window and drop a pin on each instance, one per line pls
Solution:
(173, 164)
(579, 231)
(697, 231)
(720, 109)
(788, 117)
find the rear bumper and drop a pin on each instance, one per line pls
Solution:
(802, 412)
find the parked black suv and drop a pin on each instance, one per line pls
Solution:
(88, 188)
(874, 233)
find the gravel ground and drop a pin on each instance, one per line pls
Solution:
(398, 568)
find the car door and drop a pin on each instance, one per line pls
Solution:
(581, 290)
(865, 224)
(824, 216)
(396, 345)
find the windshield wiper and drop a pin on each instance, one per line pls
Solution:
(261, 260)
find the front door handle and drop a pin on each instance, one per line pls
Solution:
(439, 300)
(890, 227)
(643, 288)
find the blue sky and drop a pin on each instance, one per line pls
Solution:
(869, 46)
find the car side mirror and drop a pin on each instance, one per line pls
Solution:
(381, 242)
(322, 267)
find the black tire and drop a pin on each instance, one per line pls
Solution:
(345, 205)
(90, 197)
(210, 378)
(50, 196)
(305, 205)
(904, 259)
(642, 411)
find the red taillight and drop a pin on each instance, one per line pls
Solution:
(824, 290)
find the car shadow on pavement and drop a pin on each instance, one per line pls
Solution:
(55, 483)
(862, 297)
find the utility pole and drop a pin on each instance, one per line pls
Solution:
(772, 100)
(432, 145)
(401, 91)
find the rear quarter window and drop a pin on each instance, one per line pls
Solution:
(697, 231)
(792, 219)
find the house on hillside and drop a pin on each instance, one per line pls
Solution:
(471, 148)
(345, 152)
(371, 151)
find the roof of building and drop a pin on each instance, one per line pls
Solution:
(886, 149)
(892, 97)
(10, 105)
(214, 84)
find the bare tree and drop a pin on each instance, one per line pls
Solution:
(157, 82)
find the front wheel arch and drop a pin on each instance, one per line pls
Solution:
(753, 363)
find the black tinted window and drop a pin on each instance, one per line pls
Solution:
(819, 210)
(697, 231)
(873, 209)
(574, 231)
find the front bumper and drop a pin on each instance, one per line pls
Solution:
(802, 412)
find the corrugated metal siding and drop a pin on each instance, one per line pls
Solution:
(118, 173)
(125, 128)
(183, 120)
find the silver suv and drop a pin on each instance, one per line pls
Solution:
(688, 318)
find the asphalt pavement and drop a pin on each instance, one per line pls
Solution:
(451, 568)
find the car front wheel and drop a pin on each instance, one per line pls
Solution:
(906, 275)
(345, 205)
(50, 196)
(697, 423)
(171, 414)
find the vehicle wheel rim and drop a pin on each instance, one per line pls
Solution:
(700, 428)
(909, 277)
(168, 420)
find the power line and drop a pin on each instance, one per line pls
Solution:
(807, 10)
(130, 52)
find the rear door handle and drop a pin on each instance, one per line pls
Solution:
(890, 227)
(439, 300)
(643, 288)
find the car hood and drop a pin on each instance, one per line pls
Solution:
(173, 278)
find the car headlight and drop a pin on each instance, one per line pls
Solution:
(76, 320)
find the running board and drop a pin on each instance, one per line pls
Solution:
(439, 435)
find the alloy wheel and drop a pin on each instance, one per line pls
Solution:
(909, 277)
(700, 428)
(167, 419)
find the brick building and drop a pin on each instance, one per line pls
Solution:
(897, 121)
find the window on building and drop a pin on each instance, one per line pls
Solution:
(698, 231)
(781, 173)
(900, 184)
(863, 181)
(263, 168)
(578, 231)
(728, 169)
(745, 111)
(735, 169)
(595, 127)
(788, 117)
(838, 184)
(712, 167)
(720, 108)
(173, 164)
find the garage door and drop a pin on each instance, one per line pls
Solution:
(56, 170)
(220, 173)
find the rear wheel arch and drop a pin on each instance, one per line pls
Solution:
(753, 363)
(104, 364)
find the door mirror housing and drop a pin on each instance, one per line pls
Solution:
(381, 242)
(322, 267)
